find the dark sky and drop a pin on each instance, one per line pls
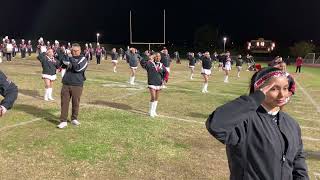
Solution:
(279, 20)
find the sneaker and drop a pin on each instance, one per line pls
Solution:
(62, 125)
(51, 99)
(46, 98)
(75, 122)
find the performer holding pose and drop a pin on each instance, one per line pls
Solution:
(157, 74)
(49, 68)
(227, 67)
(114, 59)
(132, 58)
(206, 70)
(98, 52)
(192, 63)
(239, 63)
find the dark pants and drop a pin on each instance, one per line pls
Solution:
(298, 68)
(98, 59)
(29, 52)
(23, 54)
(91, 56)
(14, 53)
(8, 56)
(67, 93)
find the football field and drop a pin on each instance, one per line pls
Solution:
(118, 140)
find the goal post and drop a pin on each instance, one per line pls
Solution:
(149, 43)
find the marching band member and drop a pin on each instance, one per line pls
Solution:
(23, 49)
(98, 53)
(29, 48)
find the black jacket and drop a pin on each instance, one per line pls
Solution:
(133, 58)
(206, 63)
(75, 74)
(114, 56)
(156, 73)
(8, 90)
(48, 67)
(165, 60)
(257, 147)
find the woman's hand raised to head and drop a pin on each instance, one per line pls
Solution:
(267, 88)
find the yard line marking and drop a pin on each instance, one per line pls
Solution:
(309, 138)
(311, 128)
(309, 97)
(138, 112)
(20, 124)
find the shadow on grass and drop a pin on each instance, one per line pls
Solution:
(112, 104)
(315, 155)
(38, 112)
(198, 115)
(32, 93)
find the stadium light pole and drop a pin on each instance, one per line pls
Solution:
(98, 34)
(224, 44)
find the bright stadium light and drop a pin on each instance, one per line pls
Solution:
(98, 34)
(258, 44)
(262, 43)
(224, 44)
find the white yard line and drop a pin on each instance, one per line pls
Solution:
(309, 97)
(20, 124)
(310, 138)
(311, 128)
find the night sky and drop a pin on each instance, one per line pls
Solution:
(241, 20)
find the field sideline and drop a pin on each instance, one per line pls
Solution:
(117, 140)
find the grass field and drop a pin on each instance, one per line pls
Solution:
(117, 140)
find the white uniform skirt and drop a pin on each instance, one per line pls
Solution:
(114, 61)
(155, 87)
(133, 67)
(228, 66)
(50, 77)
(191, 67)
(206, 71)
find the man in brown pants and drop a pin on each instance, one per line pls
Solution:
(76, 65)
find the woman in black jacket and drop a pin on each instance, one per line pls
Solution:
(157, 75)
(49, 68)
(262, 142)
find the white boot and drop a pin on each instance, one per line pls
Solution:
(155, 104)
(132, 80)
(114, 69)
(238, 74)
(50, 94)
(191, 77)
(206, 87)
(46, 95)
(226, 79)
(151, 112)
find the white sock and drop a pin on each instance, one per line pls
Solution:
(130, 80)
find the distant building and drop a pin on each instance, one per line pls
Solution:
(261, 46)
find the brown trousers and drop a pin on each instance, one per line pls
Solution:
(68, 92)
